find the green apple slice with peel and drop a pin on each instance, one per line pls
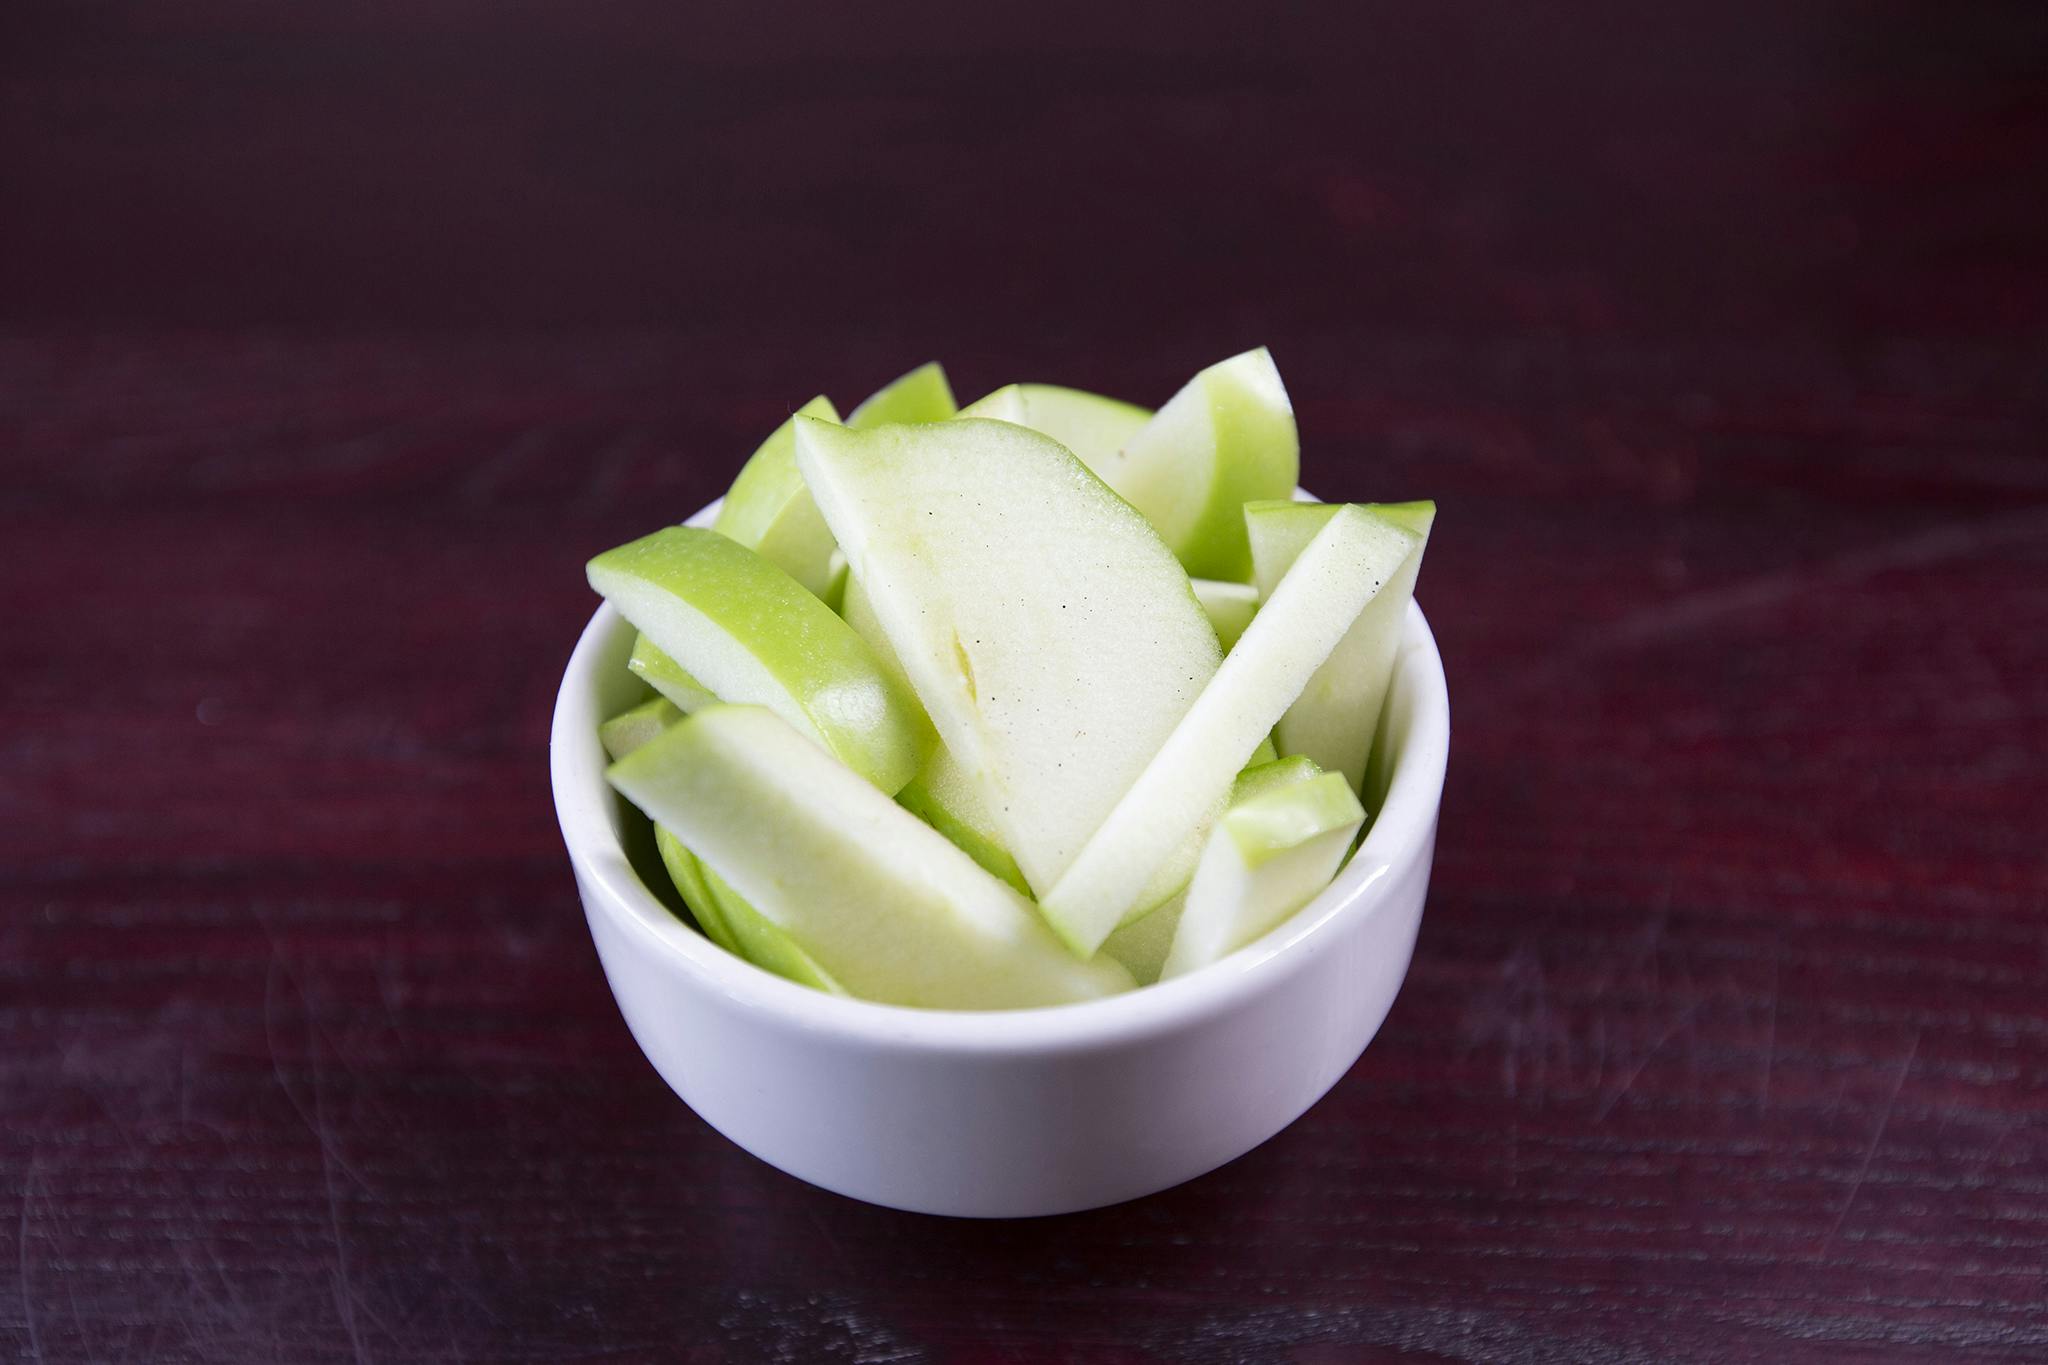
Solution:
(923, 395)
(630, 729)
(1226, 438)
(1301, 622)
(688, 875)
(1051, 636)
(875, 897)
(761, 941)
(1230, 606)
(751, 633)
(668, 677)
(945, 796)
(1286, 833)
(769, 510)
(1337, 714)
(1093, 427)
(728, 921)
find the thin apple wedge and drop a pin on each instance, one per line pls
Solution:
(1300, 623)
(769, 510)
(1226, 438)
(1095, 428)
(1334, 719)
(662, 673)
(761, 941)
(874, 896)
(751, 633)
(923, 395)
(1284, 837)
(688, 875)
(1051, 636)
(630, 729)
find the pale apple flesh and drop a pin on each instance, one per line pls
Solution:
(769, 510)
(875, 897)
(1095, 428)
(1230, 607)
(751, 633)
(1190, 774)
(1337, 715)
(631, 728)
(1051, 678)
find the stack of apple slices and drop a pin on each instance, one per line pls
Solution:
(1020, 704)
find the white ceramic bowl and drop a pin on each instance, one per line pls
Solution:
(1018, 1112)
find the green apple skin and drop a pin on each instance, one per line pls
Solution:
(945, 796)
(769, 510)
(1302, 621)
(761, 941)
(688, 875)
(1230, 607)
(751, 633)
(667, 677)
(630, 729)
(1335, 719)
(1284, 837)
(1052, 677)
(1226, 438)
(875, 897)
(1095, 428)
(923, 395)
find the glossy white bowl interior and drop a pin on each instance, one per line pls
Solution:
(1016, 1112)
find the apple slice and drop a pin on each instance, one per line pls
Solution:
(1226, 438)
(728, 921)
(667, 677)
(945, 796)
(630, 729)
(1334, 719)
(1230, 606)
(688, 875)
(752, 634)
(876, 898)
(761, 941)
(1302, 621)
(1093, 427)
(1286, 833)
(1142, 944)
(1052, 638)
(923, 395)
(769, 510)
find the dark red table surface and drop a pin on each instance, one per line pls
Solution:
(335, 337)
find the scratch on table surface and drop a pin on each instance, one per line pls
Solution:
(28, 1194)
(1876, 1136)
(316, 1123)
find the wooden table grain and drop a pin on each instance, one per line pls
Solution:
(334, 338)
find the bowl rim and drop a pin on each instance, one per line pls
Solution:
(1399, 835)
